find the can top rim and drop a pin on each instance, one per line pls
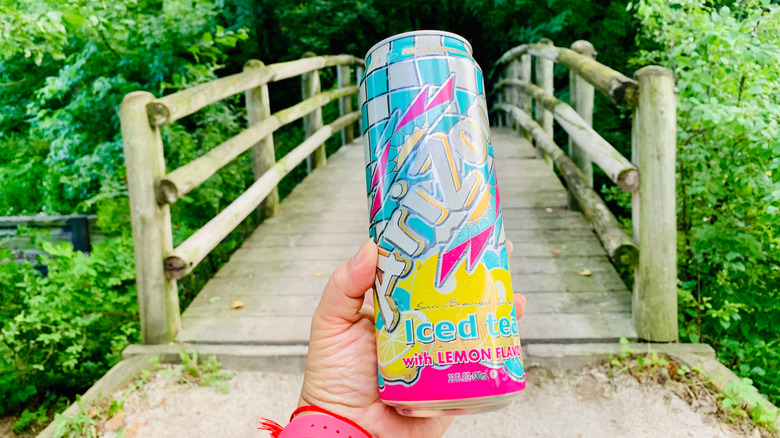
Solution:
(419, 32)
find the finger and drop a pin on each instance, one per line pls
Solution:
(509, 248)
(520, 305)
(343, 295)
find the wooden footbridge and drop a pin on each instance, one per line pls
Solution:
(566, 242)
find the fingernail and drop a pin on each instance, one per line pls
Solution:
(509, 245)
(362, 254)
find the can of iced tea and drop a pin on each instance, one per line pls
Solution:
(446, 327)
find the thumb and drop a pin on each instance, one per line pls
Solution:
(342, 298)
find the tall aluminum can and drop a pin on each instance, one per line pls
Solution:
(446, 326)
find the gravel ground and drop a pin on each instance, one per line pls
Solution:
(577, 405)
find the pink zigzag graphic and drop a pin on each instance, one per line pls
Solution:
(415, 109)
(379, 175)
(450, 258)
(498, 199)
(418, 106)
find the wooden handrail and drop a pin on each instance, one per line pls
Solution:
(158, 263)
(184, 179)
(615, 165)
(653, 141)
(173, 107)
(193, 250)
(619, 246)
(621, 89)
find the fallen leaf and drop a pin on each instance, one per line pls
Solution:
(548, 210)
(132, 430)
(606, 394)
(585, 272)
(318, 274)
(92, 412)
(237, 305)
(579, 435)
(116, 421)
(579, 397)
(163, 400)
(173, 388)
(556, 251)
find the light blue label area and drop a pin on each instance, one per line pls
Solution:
(445, 124)
(480, 83)
(374, 133)
(377, 84)
(421, 227)
(464, 100)
(364, 118)
(399, 100)
(455, 44)
(434, 71)
(397, 47)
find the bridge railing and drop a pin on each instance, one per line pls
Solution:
(527, 102)
(152, 189)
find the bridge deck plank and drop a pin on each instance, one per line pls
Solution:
(281, 269)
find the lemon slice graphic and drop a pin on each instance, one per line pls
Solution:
(393, 347)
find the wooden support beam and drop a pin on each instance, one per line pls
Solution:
(527, 100)
(184, 179)
(581, 99)
(192, 251)
(544, 79)
(512, 94)
(173, 107)
(617, 167)
(343, 75)
(258, 108)
(158, 300)
(310, 86)
(616, 86)
(655, 288)
(622, 250)
(359, 70)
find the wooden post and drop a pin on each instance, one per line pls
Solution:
(512, 94)
(345, 103)
(258, 108)
(500, 117)
(581, 99)
(544, 79)
(158, 300)
(359, 77)
(655, 287)
(528, 100)
(310, 86)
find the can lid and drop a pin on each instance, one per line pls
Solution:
(419, 32)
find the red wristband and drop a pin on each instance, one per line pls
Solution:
(315, 426)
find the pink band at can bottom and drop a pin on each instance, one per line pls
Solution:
(320, 426)
(435, 385)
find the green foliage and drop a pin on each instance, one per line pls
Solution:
(728, 80)
(62, 331)
(204, 373)
(29, 418)
(110, 50)
(740, 398)
(81, 424)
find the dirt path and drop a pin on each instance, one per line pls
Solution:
(577, 405)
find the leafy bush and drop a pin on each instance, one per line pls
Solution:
(62, 331)
(728, 80)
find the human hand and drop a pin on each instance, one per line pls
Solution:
(341, 367)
